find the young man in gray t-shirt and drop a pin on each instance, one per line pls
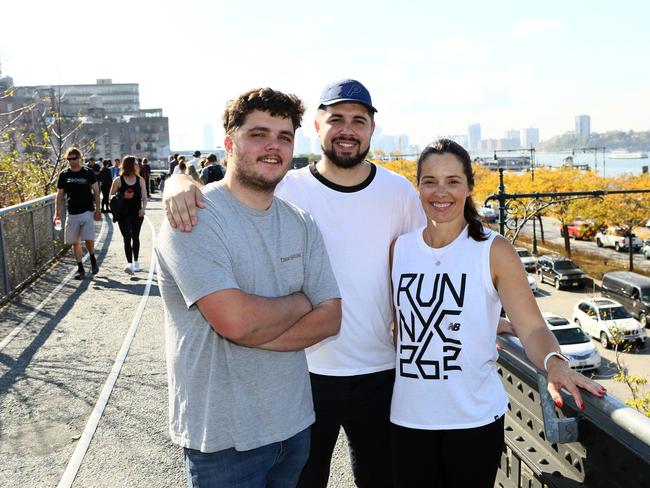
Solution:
(241, 303)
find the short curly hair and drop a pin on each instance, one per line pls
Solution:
(265, 99)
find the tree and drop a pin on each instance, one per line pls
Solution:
(629, 210)
(33, 138)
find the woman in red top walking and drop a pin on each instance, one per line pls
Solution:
(132, 187)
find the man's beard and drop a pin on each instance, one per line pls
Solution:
(254, 182)
(346, 162)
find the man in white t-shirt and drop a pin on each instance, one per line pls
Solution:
(195, 161)
(360, 208)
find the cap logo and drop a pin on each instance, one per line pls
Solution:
(353, 90)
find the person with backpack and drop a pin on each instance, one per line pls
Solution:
(212, 171)
(132, 188)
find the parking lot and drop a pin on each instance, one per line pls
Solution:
(562, 302)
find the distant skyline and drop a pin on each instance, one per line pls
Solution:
(433, 68)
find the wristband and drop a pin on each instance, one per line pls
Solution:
(550, 355)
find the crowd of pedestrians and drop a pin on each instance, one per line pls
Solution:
(130, 181)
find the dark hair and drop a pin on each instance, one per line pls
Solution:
(144, 161)
(447, 146)
(265, 99)
(106, 163)
(128, 166)
(211, 158)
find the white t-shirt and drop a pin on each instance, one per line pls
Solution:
(196, 162)
(448, 310)
(358, 225)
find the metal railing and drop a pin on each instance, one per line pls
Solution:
(28, 242)
(606, 445)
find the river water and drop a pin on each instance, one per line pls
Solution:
(604, 166)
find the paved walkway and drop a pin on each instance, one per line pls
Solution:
(61, 342)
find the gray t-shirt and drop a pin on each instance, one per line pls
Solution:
(223, 395)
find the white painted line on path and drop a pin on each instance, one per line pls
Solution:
(44, 302)
(87, 436)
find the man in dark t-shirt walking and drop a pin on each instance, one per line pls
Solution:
(79, 185)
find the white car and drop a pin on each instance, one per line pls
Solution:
(532, 282)
(574, 343)
(527, 259)
(598, 317)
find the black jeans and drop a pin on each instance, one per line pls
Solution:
(361, 405)
(447, 458)
(130, 226)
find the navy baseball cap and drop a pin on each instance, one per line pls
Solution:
(346, 91)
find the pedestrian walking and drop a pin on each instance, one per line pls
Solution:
(78, 185)
(131, 186)
(105, 181)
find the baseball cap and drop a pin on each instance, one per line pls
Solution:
(197, 154)
(346, 91)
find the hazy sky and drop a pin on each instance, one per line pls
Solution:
(432, 67)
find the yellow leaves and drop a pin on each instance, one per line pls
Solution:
(404, 168)
(623, 210)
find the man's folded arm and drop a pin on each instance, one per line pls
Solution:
(322, 322)
(252, 320)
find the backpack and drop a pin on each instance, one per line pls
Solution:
(211, 173)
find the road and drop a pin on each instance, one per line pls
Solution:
(552, 234)
(562, 302)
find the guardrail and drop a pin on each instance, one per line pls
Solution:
(606, 445)
(28, 242)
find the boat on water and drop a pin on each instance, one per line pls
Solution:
(628, 155)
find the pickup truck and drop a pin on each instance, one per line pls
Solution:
(580, 230)
(613, 237)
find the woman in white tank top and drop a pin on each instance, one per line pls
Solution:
(449, 281)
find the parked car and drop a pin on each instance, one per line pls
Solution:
(631, 290)
(615, 237)
(645, 250)
(580, 229)
(559, 271)
(532, 283)
(574, 343)
(488, 214)
(600, 317)
(527, 259)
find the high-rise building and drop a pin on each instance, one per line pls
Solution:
(529, 136)
(513, 135)
(105, 118)
(208, 136)
(474, 137)
(583, 126)
(302, 144)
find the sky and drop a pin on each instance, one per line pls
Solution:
(432, 67)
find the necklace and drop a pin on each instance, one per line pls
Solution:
(426, 237)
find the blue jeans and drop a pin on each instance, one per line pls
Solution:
(276, 465)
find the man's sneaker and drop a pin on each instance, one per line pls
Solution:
(80, 274)
(136, 266)
(129, 269)
(95, 268)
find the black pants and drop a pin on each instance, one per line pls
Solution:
(361, 405)
(130, 226)
(105, 192)
(447, 458)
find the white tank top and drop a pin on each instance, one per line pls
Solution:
(447, 310)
